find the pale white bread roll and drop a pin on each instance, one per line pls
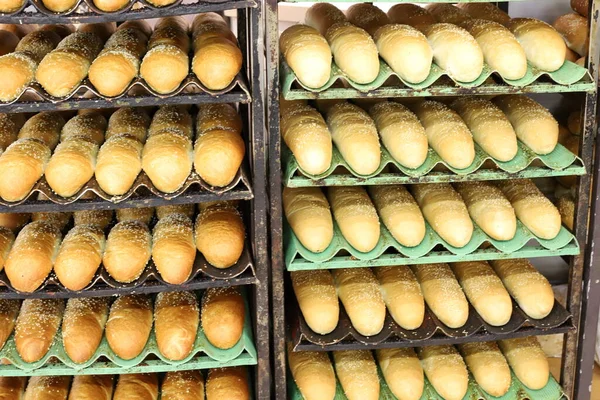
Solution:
(37, 324)
(306, 134)
(574, 29)
(12, 387)
(322, 16)
(445, 211)
(489, 208)
(355, 135)
(581, 7)
(47, 388)
(445, 370)
(307, 53)
(530, 289)
(164, 211)
(167, 160)
(357, 373)
(128, 249)
(313, 374)
(356, 216)
(83, 327)
(140, 214)
(485, 291)
(402, 372)
(166, 64)
(447, 133)
(99, 218)
(307, 211)
(217, 57)
(219, 234)
(7, 239)
(218, 116)
(455, 51)
(10, 125)
(173, 248)
(566, 208)
(44, 127)
(448, 13)
(410, 14)
(227, 383)
(31, 257)
(8, 42)
(400, 213)
(544, 46)
(223, 314)
(491, 129)
(56, 219)
(129, 324)
(402, 295)
(359, 292)
(137, 387)
(406, 51)
(487, 11)
(79, 256)
(92, 387)
(131, 121)
(354, 52)
(176, 319)
(14, 221)
(9, 309)
(527, 360)
(488, 366)
(501, 50)
(533, 209)
(182, 385)
(443, 294)
(317, 298)
(367, 16)
(533, 123)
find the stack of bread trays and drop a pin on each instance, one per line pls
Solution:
(413, 180)
(132, 212)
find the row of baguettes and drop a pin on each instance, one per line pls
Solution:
(69, 154)
(409, 38)
(59, 59)
(127, 323)
(408, 131)
(221, 383)
(450, 210)
(446, 368)
(39, 248)
(365, 293)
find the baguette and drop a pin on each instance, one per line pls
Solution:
(98, 218)
(47, 388)
(317, 298)
(574, 28)
(139, 214)
(527, 360)
(367, 16)
(57, 219)
(448, 13)
(354, 52)
(10, 125)
(359, 292)
(128, 249)
(12, 387)
(357, 373)
(582, 7)
(176, 316)
(220, 235)
(7, 239)
(36, 326)
(14, 221)
(83, 327)
(184, 209)
(313, 373)
(566, 208)
(322, 16)
(402, 295)
(486, 11)
(488, 366)
(445, 370)
(402, 372)
(543, 45)
(223, 314)
(173, 248)
(137, 387)
(227, 383)
(443, 294)
(45, 127)
(410, 14)
(92, 387)
(218, 116)
(182, 385)
(172, 118)
(128, 326)
(131, 121)
(9, 310)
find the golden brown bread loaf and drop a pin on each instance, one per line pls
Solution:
(220, 234)
(128, 249)
(140, 214)
(137, 387)
(566, 208)
(218, 116)
(488, 366)
(59, 6)
(176, 319)
(131, 121)
(7, 239)
(83, 327)
(313, 373)
(129, 324)
(487, 11)
(448, 13)
(9, 309)
(166, 64)
(442, 293)
(445, 370)
(56, 219)
(322, 16)
(227, 383)
(10, 6)
(12, 387)
(182, 385)
(574, 29)
(367, 16)
(402, 372)
(402, 295)
(10, 125)
(217, 57)
(543, 45)
(110, 5)
(173, 248)
(92, 387)
(357, 373)
(45, 127)
(98, 218)
(37, 324)
(410, 14)
(581, 6)
(527, 360)
(223, 314)
(47, 388)
(14, 221)
(164, 211)
(359, 292)
(317, 298)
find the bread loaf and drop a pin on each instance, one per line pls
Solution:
(45, 127)
(307, 53)
(60, 6)
(176, 316)
(307, 212)
(217, 57)
(227, 383)
(173, 248)
(543, 45)
(402, 295)
(10, 6)
(533, 209)
(12, 387)
(367, 16)
(47, 388)
(166, 64)
(402, 372)
(574, 29)
(7, 239)
(447, 133)
(220, 234)
(119, 61)
(129, 325)
(98, 218)
(322, 16)
(318, 300)
(357, 373)
(305, 132)
(354, 52)
(14, 221)
(527, 360)
(8, 42)
(9, 309)
(21, 30)
(128, 250)
(448, 13)
(92, 387)
(410, 14)
(36, 326)
(57, 219)
(164, 211)
(445, 211)
(313, 373)
(223, 314)
(10, 124)
(182, 385)
(110, 5)
(581, 7)
(83, 327)
(488, 366)
(139, 214)
(131, 121)
(445, 370)
(359, 292)
(530, 289)
(566, 208)
(137, 387)
(443, 294)
(486, 11)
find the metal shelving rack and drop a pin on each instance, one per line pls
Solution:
(584, 279)
(249, 96)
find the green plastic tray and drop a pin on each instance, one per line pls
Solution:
(560, 162)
